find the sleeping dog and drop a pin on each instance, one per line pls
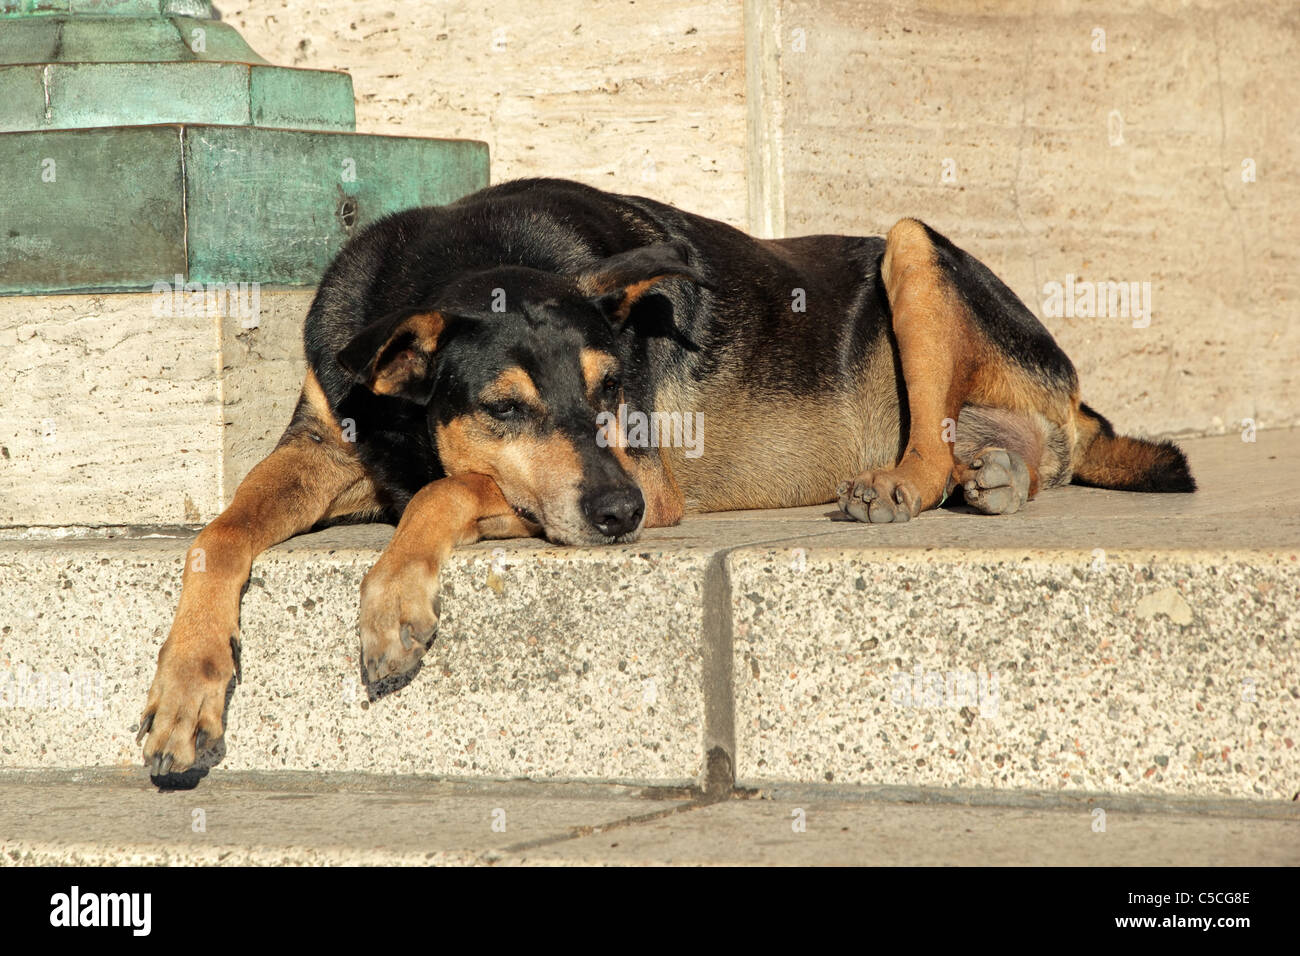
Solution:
(472, 369)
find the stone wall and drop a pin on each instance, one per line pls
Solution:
(1153, 146)
(1098, 141)
(1093, 140)
(643, 97)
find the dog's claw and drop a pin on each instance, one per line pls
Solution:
(146, 724)
(162, 765)
(234, 652)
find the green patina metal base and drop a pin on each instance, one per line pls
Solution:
(115, 63)
(145, 141)
(122, 208)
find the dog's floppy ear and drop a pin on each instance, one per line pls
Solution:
(616, 283)
(394, 354)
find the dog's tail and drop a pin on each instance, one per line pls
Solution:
(1106, 460)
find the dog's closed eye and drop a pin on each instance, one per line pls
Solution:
(507, 410)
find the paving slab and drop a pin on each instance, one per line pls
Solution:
(116, 818)
(264, 820)
(1097, 642)
(1029, 671)
(852, 834)
(569, 662)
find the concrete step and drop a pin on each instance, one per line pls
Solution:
(1098, 642)
(114, 818)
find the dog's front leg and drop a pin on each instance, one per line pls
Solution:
(310, 476)
(399, 596)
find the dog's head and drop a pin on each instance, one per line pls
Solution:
(515, 365)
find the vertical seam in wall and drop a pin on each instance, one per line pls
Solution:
(185, 207)
(764, 96)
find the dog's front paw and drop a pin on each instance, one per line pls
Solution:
(183, 713)
(879, 497)
(399, 616)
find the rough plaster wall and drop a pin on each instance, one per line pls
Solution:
(644, 97)
(884, 93)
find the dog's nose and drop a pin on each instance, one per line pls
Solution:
(614, 511)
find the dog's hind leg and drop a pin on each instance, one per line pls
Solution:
(934, 331)
(312, 475)
(964, 339)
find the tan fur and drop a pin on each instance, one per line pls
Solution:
(1000, 384)
(514, 383)
(939, 350)
(1117, 460)
(663, 497)
(595, 366)
(444, 514)
(1121, 461)
(399, 595)
(540, 474)
(1086, 430)
(765, 452)
(757, 453)
(652, 473)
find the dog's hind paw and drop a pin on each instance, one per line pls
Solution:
(996, 482)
